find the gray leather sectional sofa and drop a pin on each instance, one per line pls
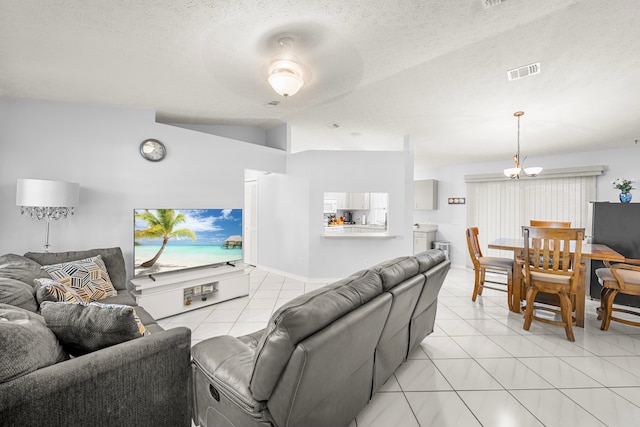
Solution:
(324, 354)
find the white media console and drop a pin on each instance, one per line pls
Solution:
(172, 293)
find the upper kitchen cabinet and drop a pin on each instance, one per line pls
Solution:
(359, 201)
(340, 198)
(425, 194)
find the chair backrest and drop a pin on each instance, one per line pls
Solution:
(549, 224)
(553, 251)
(474, 245)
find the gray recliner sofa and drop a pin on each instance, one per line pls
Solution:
(324, 354)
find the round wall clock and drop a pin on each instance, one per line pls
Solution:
(153, 150)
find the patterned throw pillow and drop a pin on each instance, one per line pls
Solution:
(85, 327)
(89, 274)
(50, 290)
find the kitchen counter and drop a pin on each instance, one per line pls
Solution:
(425, 227)
(356, 231)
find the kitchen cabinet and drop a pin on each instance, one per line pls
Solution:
(425, 194)
(423, 240)
(423, 237)
(359, 201)
(351, 201)
(340, 198)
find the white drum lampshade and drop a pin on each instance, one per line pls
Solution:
(44, 199)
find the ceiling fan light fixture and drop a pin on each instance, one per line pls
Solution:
(285, 77)
(285, 72)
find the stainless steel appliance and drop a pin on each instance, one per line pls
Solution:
(348, 217)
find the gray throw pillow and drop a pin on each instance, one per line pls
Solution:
(20, 268)
(17, 293)
(26, 344)
(85, 327)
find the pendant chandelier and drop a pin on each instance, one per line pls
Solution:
(517, 169)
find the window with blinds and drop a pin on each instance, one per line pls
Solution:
(500, 208)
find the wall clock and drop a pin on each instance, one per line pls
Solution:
(153, 150)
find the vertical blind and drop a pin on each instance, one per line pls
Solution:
(500, 208)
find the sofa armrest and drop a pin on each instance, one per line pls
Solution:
(227, 362)
(145, 381)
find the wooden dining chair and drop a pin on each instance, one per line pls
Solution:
(549, 224)
(483, 265)
(554, 267)
(623, 278)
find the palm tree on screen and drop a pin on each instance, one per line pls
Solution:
(161, 226)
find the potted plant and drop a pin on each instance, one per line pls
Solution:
(625, 186)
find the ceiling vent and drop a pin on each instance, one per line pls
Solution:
(491, 3)
(522, 72)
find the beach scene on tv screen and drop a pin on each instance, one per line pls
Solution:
(173, 239)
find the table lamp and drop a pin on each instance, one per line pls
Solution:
(44, 199)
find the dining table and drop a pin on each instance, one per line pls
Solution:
(590, 251)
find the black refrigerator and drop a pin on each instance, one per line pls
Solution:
(616, 225)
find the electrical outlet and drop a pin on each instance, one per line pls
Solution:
(365, 261)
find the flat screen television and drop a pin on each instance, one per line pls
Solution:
(176, 239)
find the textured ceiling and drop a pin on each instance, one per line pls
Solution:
(431, 69)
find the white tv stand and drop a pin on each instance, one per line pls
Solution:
(180, 291)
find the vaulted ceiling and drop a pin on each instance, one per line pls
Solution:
(435, 70)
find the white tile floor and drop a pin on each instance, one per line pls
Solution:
(479, 367)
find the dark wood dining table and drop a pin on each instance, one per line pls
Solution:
(591, 251)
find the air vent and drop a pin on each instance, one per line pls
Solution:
(273, 104)
(491, 3)
(333, 126)
(526, 71)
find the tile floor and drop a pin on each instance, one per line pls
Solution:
(479, 367)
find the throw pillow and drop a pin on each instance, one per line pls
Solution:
(19, 294)
(26, 344)
(89, 274)
(112, 258)
(20, 268)
(50, 290)
(85, 327)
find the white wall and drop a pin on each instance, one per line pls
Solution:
(452, 219)
(283, 224)
(97, 147)
(353, 171)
